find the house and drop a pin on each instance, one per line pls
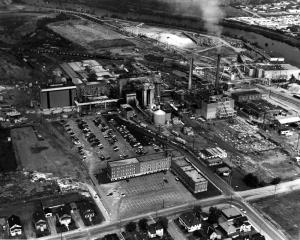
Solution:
(229, 229)
(213, 233)
(242, 224)
(39, 221)
(3, 223)
(190, 221)
(155, 230)
(14, 225)
(87, 211)
(230, 213)
(63, 216)
(48, 212)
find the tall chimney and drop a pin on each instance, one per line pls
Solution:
(191, 73)
(218, 72)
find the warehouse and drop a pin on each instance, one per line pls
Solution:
(210, 153)
(134, 167)
(59, 95)
(189, 175)
(244, 96)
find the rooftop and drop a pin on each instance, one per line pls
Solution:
(243, 93)
(231, 212)
(152, 157)
(123, 162)
(190, 219)
(190, 170)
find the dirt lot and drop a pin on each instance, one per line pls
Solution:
(144, 194)
(88, 34)
(259, 155)
(285, 211)
(46, 156)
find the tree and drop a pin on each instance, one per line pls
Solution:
(164, 222)
(214, 214)
(143, 224)
(130, 227)
(276, 181)
(198, 210)
(251, 180)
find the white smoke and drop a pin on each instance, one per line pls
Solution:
(211, 12)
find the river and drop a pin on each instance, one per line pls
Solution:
(273, 47)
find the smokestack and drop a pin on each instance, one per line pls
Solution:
(191, 73)
(218, 73)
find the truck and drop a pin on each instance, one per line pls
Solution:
(180, 140)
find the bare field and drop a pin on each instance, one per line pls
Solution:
(43, 156)
(144, 194)
(88, 34)
(284, 211)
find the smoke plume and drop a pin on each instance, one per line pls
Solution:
(210, 10)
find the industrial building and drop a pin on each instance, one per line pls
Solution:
(141, 165)
(279, 71)
(127, 111)
(122, 169)
(210, 153)
(217, 107)
(244, 96)
(57, 95)
(189, 175)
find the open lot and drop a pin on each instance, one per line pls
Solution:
(144, 194)
(44, 155)
(89, 35)
(257, 154)
(284, 211)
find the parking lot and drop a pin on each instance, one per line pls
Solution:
(145, 193)
(99, 140)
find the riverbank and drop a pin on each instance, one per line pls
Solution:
(281, 37)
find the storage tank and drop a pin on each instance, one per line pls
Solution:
(159, 117)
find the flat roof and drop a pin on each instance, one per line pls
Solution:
(190, 170)
(286, 120)
(50, 89)
(231, 212)
(248, 92)
(123, 162)
(152, 157)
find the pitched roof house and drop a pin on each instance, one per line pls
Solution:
(190, 221)
(15, 226)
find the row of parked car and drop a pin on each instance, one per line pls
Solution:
(139, 149)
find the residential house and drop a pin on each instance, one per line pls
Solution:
(39, 221)
(213, 233)
(230, 213)
(242, 224)
(14, 225)
(190, 221)
(155, 230)
(229, 229)
(63, 216)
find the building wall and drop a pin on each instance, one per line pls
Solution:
(209, 110)
(247, 97)
(155, 165)
(187, 181)
(123, 171)
(59, 98)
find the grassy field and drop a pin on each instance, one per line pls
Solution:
(285, 211)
